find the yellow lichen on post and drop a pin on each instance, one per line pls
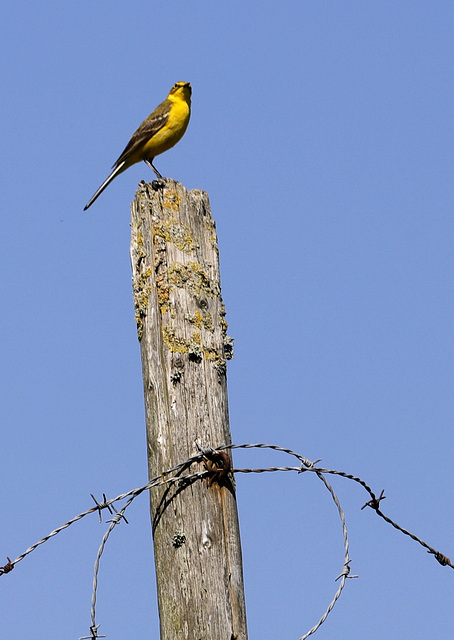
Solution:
(177, 266)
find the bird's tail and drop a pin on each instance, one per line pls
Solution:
(121, 167)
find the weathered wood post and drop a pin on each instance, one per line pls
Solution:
(182, 332)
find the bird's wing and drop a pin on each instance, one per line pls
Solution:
(146, 131)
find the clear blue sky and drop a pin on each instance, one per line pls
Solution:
(323, 133)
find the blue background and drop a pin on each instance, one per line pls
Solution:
(323, 133)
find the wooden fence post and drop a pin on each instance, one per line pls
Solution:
(182, 332)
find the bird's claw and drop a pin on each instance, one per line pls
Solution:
(158, 184)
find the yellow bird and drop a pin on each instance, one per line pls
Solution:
(159, 132)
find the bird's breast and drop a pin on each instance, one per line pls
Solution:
(171, 132)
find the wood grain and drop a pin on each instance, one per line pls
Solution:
(181, 327)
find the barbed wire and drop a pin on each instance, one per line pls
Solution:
(213, 474)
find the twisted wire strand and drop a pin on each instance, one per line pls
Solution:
(119, 515)
(105, 504)
(374, 502)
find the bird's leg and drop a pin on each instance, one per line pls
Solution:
(151, 165)
(160, 182)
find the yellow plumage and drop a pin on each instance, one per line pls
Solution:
(158, 133)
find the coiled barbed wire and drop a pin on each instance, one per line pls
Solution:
(204, 453)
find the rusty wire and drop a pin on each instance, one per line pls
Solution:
(215, 472)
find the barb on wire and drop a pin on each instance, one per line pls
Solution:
(375, 502)
(9, 566)
(443, 560)
(93, 634)
(119, 515)
(345, 572)
(101, 505)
